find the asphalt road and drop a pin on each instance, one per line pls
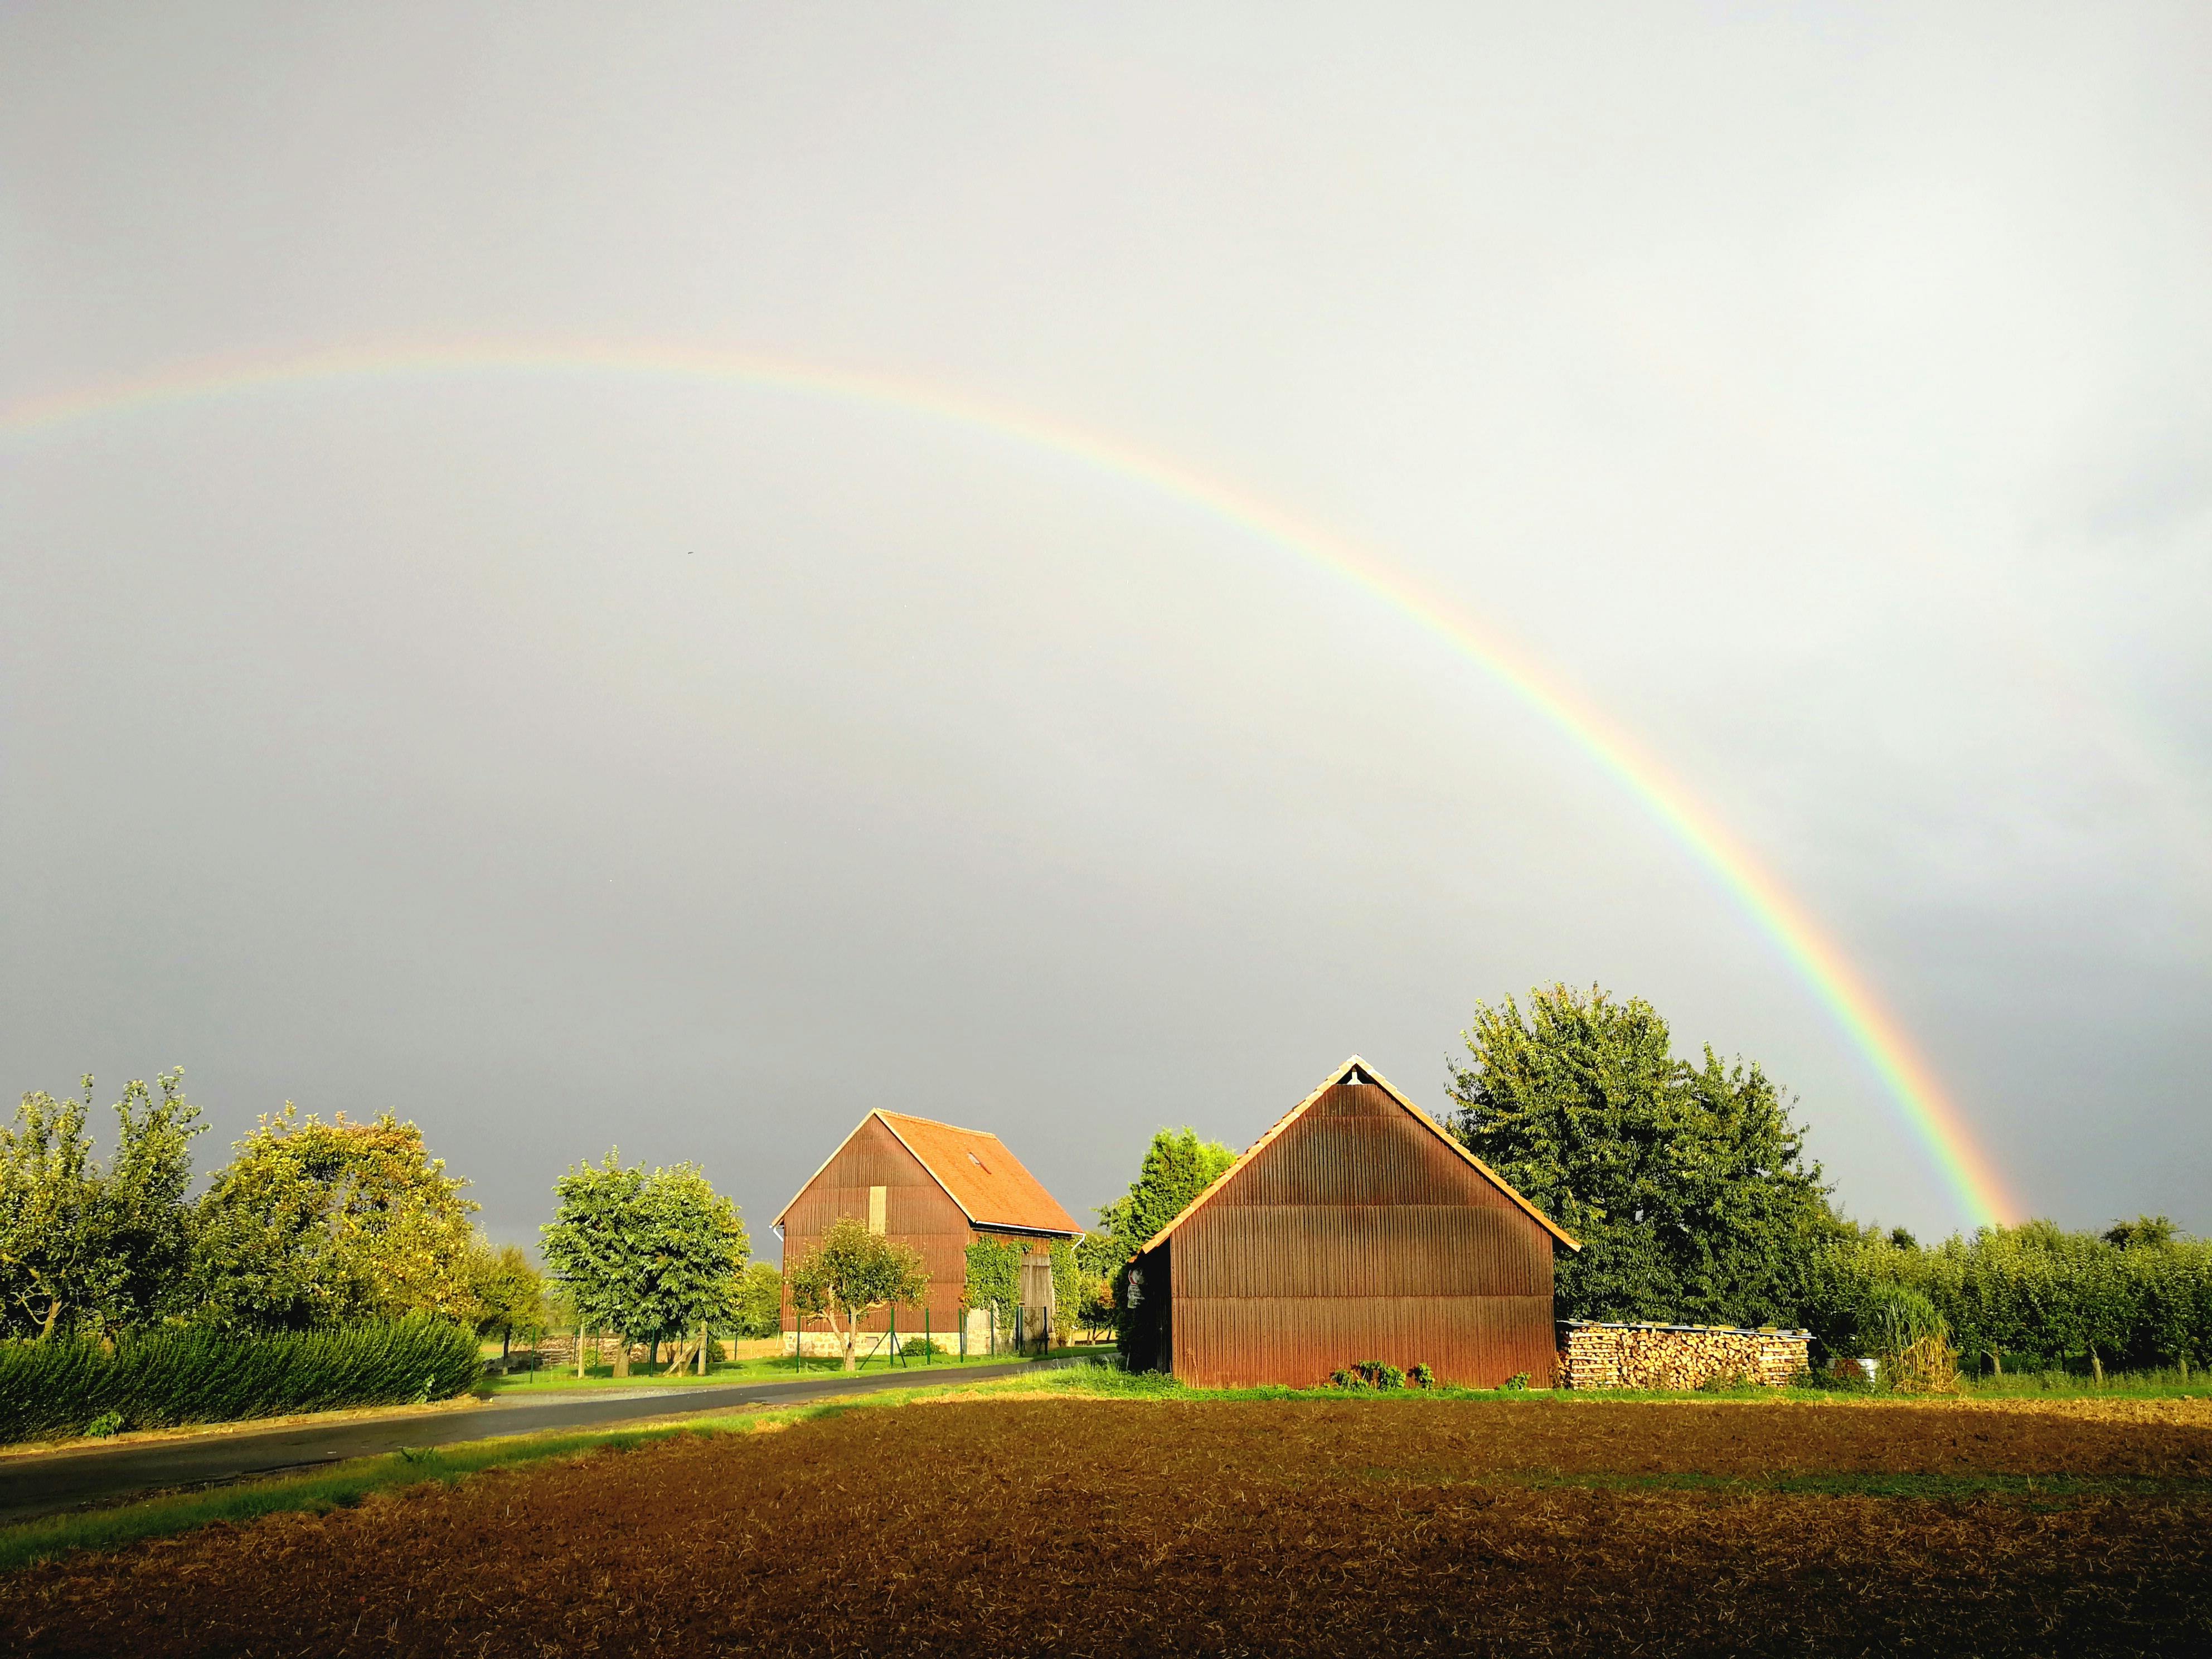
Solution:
(79, 1477)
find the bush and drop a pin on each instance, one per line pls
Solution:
(198, 1375)
(1518, 1380)
(917, 1347)
(1369, 1374)
(1421, 1377)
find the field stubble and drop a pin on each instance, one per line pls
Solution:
(1077, 1526)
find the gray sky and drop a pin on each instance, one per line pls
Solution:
(567, 758)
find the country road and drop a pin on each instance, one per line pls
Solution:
(78, 1476)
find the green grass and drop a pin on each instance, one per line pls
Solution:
(773, 1370)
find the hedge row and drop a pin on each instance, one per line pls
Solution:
(200, 1375)
(2036, 1293)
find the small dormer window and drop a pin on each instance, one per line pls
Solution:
(979, 1163)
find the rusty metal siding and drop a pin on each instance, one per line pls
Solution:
(1357, 1235)
(917, 1212)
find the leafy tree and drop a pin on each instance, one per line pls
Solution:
(645, 1253)
(507, 1293)
(760, 1302)
(849, 1273)
(1686, 1185)
(697, 1247)
(595, 1246)
(318, 1224)
(1177, 1167)
(84, 1244)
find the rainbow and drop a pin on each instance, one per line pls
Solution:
(1932, 1118)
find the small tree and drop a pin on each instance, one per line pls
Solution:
(84, 1243)
(760, 1301)
(509, 1294)
(595, 1246)
(849, 1275)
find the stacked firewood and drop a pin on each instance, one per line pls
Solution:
(1594, 1355)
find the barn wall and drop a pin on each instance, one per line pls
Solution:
(1355, 1234)
(917, 1212)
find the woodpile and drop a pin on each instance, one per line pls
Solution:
(1603, 1355)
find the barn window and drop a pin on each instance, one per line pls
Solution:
(876, 1195)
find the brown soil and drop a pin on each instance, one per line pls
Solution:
(1082, 1527)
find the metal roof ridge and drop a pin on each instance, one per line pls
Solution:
(1356, 1064)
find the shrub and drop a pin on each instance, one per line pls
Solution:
(1518, 1380)
(1370, 1374)
(917, 1347)
(1421, 1377)
(199, 1375)
(107, 1423)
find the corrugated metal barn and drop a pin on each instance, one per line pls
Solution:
(1355, 1229)
(929, 1185)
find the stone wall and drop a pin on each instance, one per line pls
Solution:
(1598, 1355)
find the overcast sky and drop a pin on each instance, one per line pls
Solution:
(565, 759)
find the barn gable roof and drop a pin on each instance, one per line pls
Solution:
(989, 1183)
(1357, 1066)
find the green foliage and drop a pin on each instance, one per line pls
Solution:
(201, 1375)
(759, 1310)
(994, 1278)
(506, 1293)
(2035, 1294)
(1370, 1374)
(1177, 1167)
(1519, 1380)
(105, 1426)
(315, 1224)
(849, 1273)
(1685, 1185)
(649, 1254)
(85, 1245)
(919, 1348)
(1420, 1377)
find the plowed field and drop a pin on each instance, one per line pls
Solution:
(1079, 1527)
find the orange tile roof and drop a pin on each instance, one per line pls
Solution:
(985, 1179)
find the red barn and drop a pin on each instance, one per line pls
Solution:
(931, 1186)
(1355, 1229)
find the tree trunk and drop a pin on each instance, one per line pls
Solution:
(2097, 1366)
(703, 1350)
(622, 1353)
(506, 1346)
(53, 1315)
(580, 1347)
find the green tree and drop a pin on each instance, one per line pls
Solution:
(1686, 1185)
(696, 1247)
(849, 1273)
(1177, 1167)
(83, 1243)
(509, 1293)
(760, 1302)
(318, 1223)
(645, 1253)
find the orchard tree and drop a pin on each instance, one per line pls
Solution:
(1686, 1185)
(849, 1273)
(645, 1253)
(507, 1293)
(760, 1302)
(318, 1224)
(594, 1246)
(85, 1244)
